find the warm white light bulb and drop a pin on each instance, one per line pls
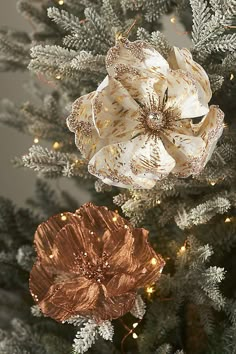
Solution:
(63, 217)
(227, 219)
(153, 261)
(56, 145)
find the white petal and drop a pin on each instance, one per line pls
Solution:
(141, 86)
(210, 130)
(190, 146)
(151, 158)
(80, 122)
(138, 66)
(117, 164)
(115, 112)
(191, 153)
(183, 94)
(138, 55)
(182, 59)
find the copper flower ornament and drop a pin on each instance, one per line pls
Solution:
(137, 127)
(91, 263)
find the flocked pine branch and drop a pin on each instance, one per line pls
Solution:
(89, 333)
(202, 213)
(53, 164)
(195, 283)
(164, 349)
(14, 50)
(210, 25)
(52, 59)
(139, 308)
(152, 9)
(44, 121)
(157, 39)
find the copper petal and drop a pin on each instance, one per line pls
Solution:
(115, 307)
(41, 278)
(47, 231)
(120, 284)
(72, 242)
(121, 259)
(77, 297)
(149, 272)
(99, 218)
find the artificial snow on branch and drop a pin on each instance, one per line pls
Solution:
(52, 164)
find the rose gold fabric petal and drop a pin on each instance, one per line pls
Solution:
(75, 244)
(182, 59)
(114, 307)
(150, 272)
(99, 218)
(121, 260)
(150, 263)
(113, 241)
(112, 165)
(120, 284)
(41, 278)
(115, 112)
(184, 96)
(142, 250)
(80, 122)
(97, 263)
(75, 297)
(46, 233)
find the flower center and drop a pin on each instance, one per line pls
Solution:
(90, 270)
(155, 120)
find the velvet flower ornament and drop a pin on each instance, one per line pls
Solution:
(137, 127)
(91, 264)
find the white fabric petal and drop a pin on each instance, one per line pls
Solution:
(80, 122)
(134, 164)
(192, 153)
(190, 146)
(138, 66)
(151, 158)
(138, 55)
(115, 112)
(183, 94)
(182, 59)
(186, 151)
(210, 130)
(140, 85)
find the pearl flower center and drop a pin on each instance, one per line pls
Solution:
(155, 120)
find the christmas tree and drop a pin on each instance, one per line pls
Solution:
(148, 130)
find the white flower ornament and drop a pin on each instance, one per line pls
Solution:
(137, 127)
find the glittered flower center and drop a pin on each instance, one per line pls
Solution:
(155, 120)
(90, 270)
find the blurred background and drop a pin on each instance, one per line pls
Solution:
(17, 183)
